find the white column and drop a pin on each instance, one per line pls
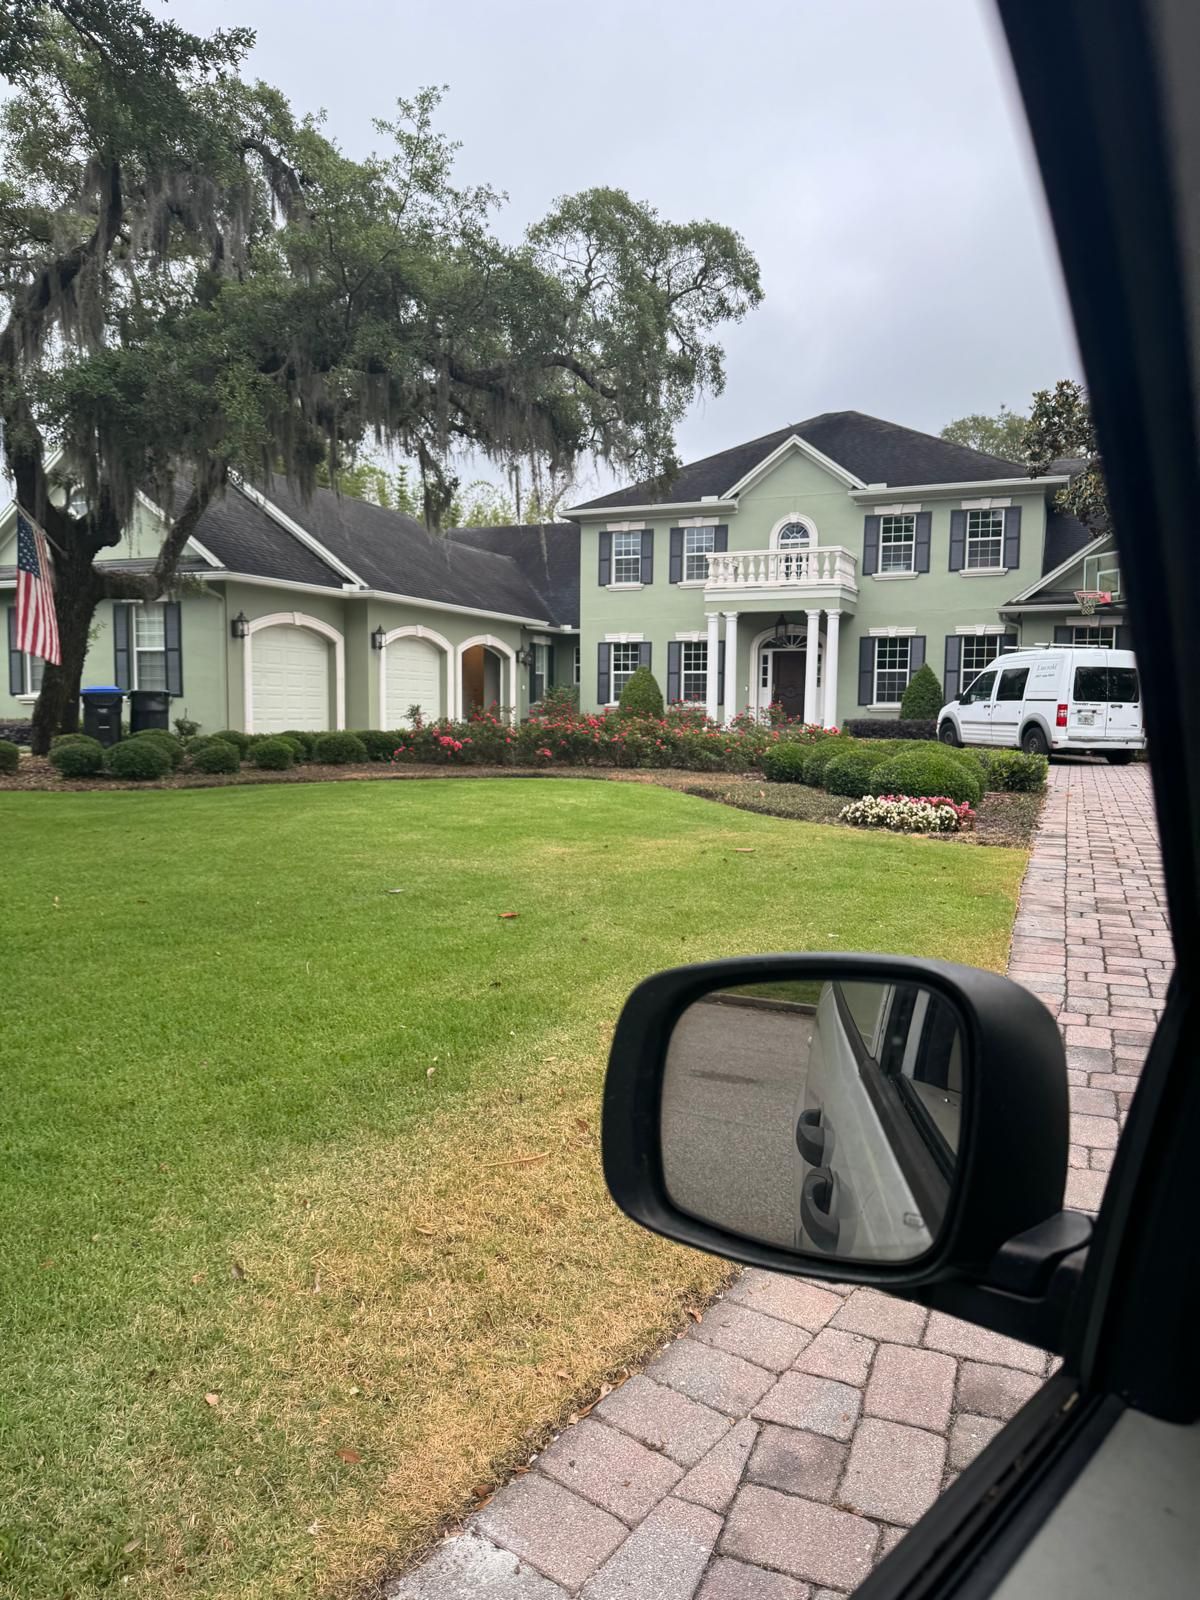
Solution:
(810, 666)
(732, 694)
(833, 620)
(710, 685)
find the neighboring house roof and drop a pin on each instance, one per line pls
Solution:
(1065, 536)
(547, 553)
(869, 447)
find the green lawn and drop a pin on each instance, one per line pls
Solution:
(301, 1229)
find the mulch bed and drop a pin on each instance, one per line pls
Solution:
(1003, 819)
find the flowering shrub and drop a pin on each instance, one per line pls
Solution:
(903, 813)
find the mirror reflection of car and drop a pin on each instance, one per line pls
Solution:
(878, 1131)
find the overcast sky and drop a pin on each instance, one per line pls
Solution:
(871, 152)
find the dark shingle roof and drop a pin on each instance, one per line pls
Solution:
(1065, 535)
(873, 450)
(393, 552)
(547, 553)
(244, 538)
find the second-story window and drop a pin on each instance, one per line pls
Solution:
(897, 543)
(792, 536)
(985, 540)
(627, 558)
(698, 545)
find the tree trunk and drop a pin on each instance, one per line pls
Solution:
(57, 708)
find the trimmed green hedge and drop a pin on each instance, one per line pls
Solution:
(215, 755)
(784, 762)
(167, 741)
(10, 757)
(379, 743)
(818, 756)
(143, 760)
(851, 772)
(923, 698)
(75, 755)
(641, 696)
(272, 755)
(234, 736)
(339, 749)
(927, 773)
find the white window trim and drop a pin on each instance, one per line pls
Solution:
(892, 633)
(982, 572)
(699, 638)
(898, 572)
(892, 577)
(696, 636)
(577, 665)
(624, 638)
(695, 526)
(786, 522)
(697, 522)
(625, 527)
(627, 639)
(29, 696)
(902, 508)
(982, 627)
(996, 503)
(497, 647)
(624, 585)
(897, 634)
(885, 705)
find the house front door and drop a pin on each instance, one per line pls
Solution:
(788, 685)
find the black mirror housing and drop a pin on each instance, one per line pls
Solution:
(1011, 1173)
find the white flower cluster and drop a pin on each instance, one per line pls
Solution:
(904, 814)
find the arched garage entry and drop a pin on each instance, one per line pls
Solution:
(415, 669)
(294, 674)
(487, 674)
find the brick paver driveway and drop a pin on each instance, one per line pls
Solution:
(785, 1443)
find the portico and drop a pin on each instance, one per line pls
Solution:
(793, 662)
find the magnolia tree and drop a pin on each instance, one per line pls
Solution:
(198, 282)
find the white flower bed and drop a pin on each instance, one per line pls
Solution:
(905, 813)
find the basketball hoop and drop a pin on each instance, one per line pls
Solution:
(1088, 599)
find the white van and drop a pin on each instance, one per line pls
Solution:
(1052, 699)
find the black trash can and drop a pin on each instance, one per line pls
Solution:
(102, 712)
(149, 708)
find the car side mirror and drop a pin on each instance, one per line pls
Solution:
(866, 1118)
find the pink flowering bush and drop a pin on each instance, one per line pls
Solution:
(903, 813)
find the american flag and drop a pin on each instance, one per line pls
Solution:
(37, 621)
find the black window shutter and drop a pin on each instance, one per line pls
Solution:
(605, 560)
(958, 540)
(924, 536)
(1012, 536)
(721, 673)
(866, 671)
(916, 653)
(647, 555)
(950, 677)
(1124, 637)
(604, 674)
(870, 546)
(16, 660)
(173, 637)
(644, 654)
(122, 623)
(676, 573)
(1063, 634)
(721, 539)
(674, 660)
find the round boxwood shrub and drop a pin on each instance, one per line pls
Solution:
(923, 698)
(850, 773)
(297, 746)
(168, 741)
(70, 738)
(818, 756)
(10, 757)
(215, 755)
(303, 738)
(377, 742)
(339, 749)
(784, 762)
(234, 736)
(143, 760)
(273, 755)
(77, 756)
(641, 696)
(934, 772)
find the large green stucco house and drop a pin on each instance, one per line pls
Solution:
(817, 567)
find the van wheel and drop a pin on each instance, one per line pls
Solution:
(1118, 758)
(948, 733)
(1034, 742)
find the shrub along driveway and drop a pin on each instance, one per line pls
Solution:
(302, 1231)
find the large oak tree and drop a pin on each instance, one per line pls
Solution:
(196, 282)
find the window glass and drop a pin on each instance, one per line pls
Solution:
(698, 545)
(1091, 683)
(978, 651)
(627, 558)
(1012, 683)
(793, 535)
(625, 658)
(981, 689)
(1102, 638)
(891, 670)
(575, 668)
(1116, 684)
(693, 669)
(897, 543)
(985, 539)
(34, 668)
(865, 1003)
(150, 647)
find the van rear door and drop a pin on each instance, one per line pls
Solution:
(1087, 713)
(1124, 719)
(1105, 704)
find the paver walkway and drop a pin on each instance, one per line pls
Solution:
(784, 1444)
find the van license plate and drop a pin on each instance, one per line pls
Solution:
(1087, 718)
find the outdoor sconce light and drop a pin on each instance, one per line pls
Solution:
(240, 626)
(378, 639)
(524, 658)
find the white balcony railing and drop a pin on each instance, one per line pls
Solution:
(795, 570)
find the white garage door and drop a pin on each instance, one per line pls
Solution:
(414, 678)
(293, 671)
